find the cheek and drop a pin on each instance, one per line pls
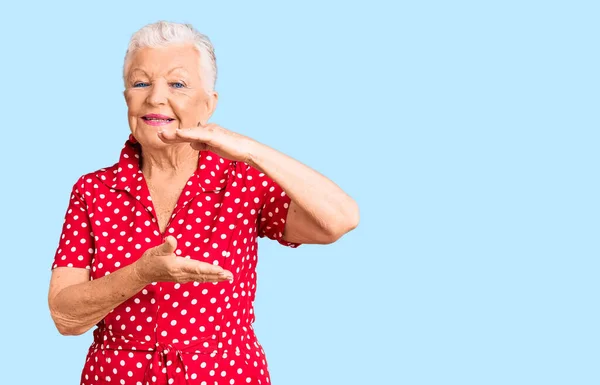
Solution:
(133, 106)
(186, 109)
(136, 98)
(134, 101)
(133, 122)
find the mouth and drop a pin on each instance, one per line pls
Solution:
(157, 119)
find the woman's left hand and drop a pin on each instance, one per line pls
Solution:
(210, 137)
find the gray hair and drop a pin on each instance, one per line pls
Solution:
(164, 33)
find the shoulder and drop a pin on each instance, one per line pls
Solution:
(89, 181)
(252, 181)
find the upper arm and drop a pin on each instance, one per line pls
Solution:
(281, 219)
(273, 213)
(74, 254)
(299, 228)
(76, 243)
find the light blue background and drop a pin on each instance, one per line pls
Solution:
(466, 130)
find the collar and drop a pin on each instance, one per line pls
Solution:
(212, 175)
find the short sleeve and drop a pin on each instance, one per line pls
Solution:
(273, 213)
(75, 247)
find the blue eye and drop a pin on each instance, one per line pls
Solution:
(140, 84)
(178, 85)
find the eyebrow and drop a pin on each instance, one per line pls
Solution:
(177, 68)
(133, 70)
(137, 69)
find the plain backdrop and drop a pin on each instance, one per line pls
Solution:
(466, 130)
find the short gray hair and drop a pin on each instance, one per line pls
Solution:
(164, 33)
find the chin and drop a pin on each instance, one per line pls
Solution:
(148, 137)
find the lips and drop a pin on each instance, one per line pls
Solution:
(157, 119)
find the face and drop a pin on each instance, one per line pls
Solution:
(164, 89)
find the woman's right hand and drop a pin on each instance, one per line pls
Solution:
(160, 264)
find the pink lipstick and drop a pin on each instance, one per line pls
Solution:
(157, 119)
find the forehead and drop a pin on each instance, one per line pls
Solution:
(161, 60)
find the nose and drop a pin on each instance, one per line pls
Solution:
(158, 94)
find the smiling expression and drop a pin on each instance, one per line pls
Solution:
(164, 87)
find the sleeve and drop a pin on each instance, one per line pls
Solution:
(273, 213)
(76, 244)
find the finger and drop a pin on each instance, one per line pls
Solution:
(221, 276)
(168, 247)
(167, 134)
(195, 267)
(210, 278)
(227, 275)
(203, 134)
(185, 135)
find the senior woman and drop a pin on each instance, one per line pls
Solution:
(159, 251)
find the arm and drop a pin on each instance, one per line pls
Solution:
(77, 304)
(320, 211)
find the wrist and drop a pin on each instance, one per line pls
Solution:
(138, 274)
(253, 154)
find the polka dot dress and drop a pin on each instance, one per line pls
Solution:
(170, 333)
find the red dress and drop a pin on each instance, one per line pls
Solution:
(170, 333)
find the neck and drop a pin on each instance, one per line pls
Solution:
(168, 162)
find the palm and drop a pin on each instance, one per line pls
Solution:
(214, 138)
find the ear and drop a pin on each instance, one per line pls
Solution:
(211, 103)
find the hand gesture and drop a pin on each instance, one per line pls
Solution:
(160, 264)
(210, 137)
